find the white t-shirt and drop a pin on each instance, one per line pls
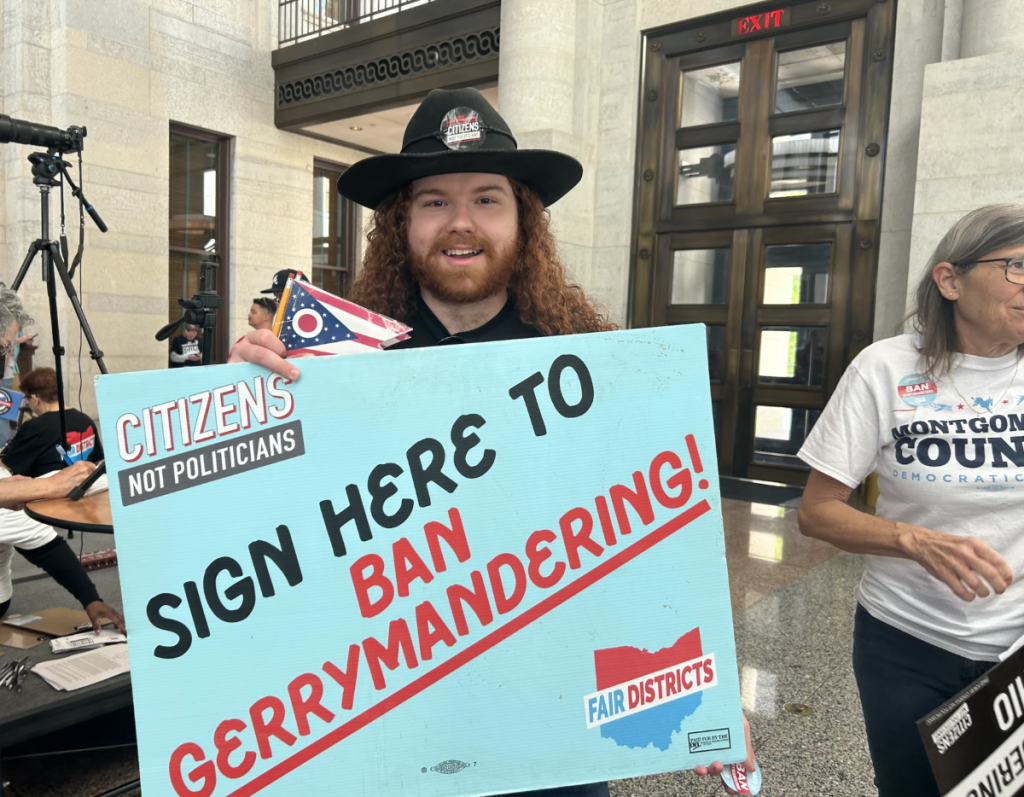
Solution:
(940, 465)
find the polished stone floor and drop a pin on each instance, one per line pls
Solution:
(793, 601)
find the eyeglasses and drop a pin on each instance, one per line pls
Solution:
(1013, 267)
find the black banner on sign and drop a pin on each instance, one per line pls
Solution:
(217, 461)
(975, 741)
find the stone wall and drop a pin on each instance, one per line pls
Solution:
(971, 115)
(126, 69)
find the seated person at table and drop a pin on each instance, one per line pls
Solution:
(33, 450)
(46, 549)
(42, 547)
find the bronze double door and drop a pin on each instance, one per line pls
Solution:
(760, 174)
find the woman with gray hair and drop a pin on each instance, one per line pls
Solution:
(939, 415)
(10, 311)
(12, 316)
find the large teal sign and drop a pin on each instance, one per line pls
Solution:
(447, 572)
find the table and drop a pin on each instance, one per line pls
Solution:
(91, 513)
(40, 709)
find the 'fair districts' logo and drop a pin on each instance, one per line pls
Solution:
(643, 696)
(917, 390)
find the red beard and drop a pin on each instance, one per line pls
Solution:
(468, 284)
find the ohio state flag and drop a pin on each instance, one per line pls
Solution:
(313, 321)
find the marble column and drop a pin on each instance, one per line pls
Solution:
(991, 26)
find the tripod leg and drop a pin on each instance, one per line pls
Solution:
(69, 288)
(33, 248)
(51, 254)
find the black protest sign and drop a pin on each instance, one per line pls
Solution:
(975, 740)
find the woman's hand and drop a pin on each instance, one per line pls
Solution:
(964, 564)
(98, 611)
(263, 347)
(63, 481)
(717, 767)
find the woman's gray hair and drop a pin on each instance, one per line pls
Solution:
(975, 235)
(11, 309)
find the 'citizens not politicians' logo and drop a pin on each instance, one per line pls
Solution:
(644, 697)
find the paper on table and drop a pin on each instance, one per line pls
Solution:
(84, 669)
(98, 486)
(86, 640)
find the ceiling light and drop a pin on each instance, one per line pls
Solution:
(356, 128)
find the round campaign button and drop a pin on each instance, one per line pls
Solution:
(917, 390)
(735, 777)
(461, 129)
(6, 402)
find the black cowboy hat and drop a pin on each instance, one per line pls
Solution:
(458, 131)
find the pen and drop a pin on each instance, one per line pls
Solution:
(64, 455)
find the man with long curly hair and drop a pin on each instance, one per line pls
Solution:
(461, 249)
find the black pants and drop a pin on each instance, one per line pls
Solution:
(901, 679)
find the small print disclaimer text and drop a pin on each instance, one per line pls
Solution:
(701, 741)
(218, 461)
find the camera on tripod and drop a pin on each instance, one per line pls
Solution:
(50, 170)
(18, 131)
(200, 310)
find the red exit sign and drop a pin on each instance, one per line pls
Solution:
(760, 23)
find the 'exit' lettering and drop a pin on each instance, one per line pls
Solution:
(768, 20)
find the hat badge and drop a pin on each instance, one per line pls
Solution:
(462, 129)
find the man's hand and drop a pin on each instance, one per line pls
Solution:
(717, 767)
(263, 347)
(98, 611)
(62, 482)
(194, 358)
(958, 562)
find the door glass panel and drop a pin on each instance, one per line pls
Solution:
(779, 432)
(716, 352)
(710, 95)
(705, 174)
(699, 276)
(193, 193)
(804, 164)
(796, 274)
(810, 78)
(791, 356)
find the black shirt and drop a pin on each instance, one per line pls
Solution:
(183, 345)
(427, 330)
(33, 450)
